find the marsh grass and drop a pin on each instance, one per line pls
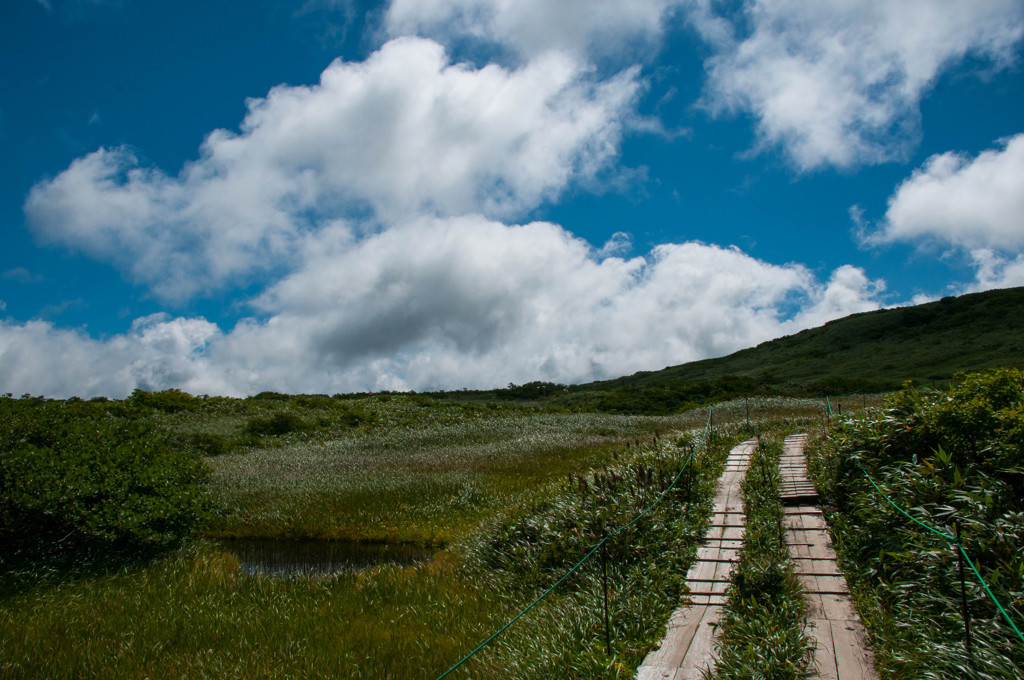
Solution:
(427, 481)
(450, 474)
(646, 564)
(194, 615)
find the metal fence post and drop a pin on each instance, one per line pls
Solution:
(963, 595)
(604, 570)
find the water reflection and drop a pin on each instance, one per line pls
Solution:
(282, 557)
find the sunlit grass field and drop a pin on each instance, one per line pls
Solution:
(458, 477)
(424, 483)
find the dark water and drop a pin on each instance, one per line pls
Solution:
(283, 557)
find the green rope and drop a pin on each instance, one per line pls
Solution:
(597, 546)
(989, 591)
(829, 405)
(528, 608)
(933, 530)
(959, 546)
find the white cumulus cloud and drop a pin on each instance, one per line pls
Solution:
(839, 83)
(592, 28)
(451, 302)
(973, 203)
(406, 132)
(158, 352)
(996, 271)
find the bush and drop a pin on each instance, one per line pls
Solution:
(73, 477)
(208, 444)
(277, 424)
(949, 458)
(168, 401)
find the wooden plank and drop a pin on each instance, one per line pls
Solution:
(700, 657)
(824, 651)
(841, 652)
(688, 647)
(852, 658)
(815, 607)
(677, 639)
(838, 607)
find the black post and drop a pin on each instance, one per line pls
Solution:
(746, 403)
(963, 595)
(604, 570)
(691, 476)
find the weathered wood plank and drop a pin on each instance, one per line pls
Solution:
(687, 650)
(852, 657)
(841, 651)
(824, 651)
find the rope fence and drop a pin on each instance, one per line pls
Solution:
(597, 546)
(956, 541)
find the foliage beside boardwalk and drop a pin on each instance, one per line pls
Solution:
(944, 457)
(391, 467)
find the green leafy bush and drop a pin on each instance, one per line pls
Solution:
(208, 444)
(276, 424)
(168, 401)
(947, 458)
(73, 477)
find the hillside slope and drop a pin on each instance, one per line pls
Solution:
(925, 343)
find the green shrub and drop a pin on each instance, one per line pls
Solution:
(947, 458)
(168, 401)
(276, 424)
(208, 444)
(73, 477)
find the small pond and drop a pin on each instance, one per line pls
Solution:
(286, 557)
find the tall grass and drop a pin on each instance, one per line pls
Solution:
(456, 475)
(194, 614)
(426, 482)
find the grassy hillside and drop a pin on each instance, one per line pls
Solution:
(925, 343)
(870, 352)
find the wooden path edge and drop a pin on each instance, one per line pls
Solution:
(842, 651)
(688, 649)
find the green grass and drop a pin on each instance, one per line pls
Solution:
(461, 471)
(500, 486)
(194, 615)
(425, 482)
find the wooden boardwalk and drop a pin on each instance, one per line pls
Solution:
(842, 652)
(688, 647)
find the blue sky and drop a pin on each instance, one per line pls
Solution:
(329, 196)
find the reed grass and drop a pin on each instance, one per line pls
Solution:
(945, 457)
(452, 476)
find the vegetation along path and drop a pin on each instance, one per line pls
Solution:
(687, 650)
(841, 652)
